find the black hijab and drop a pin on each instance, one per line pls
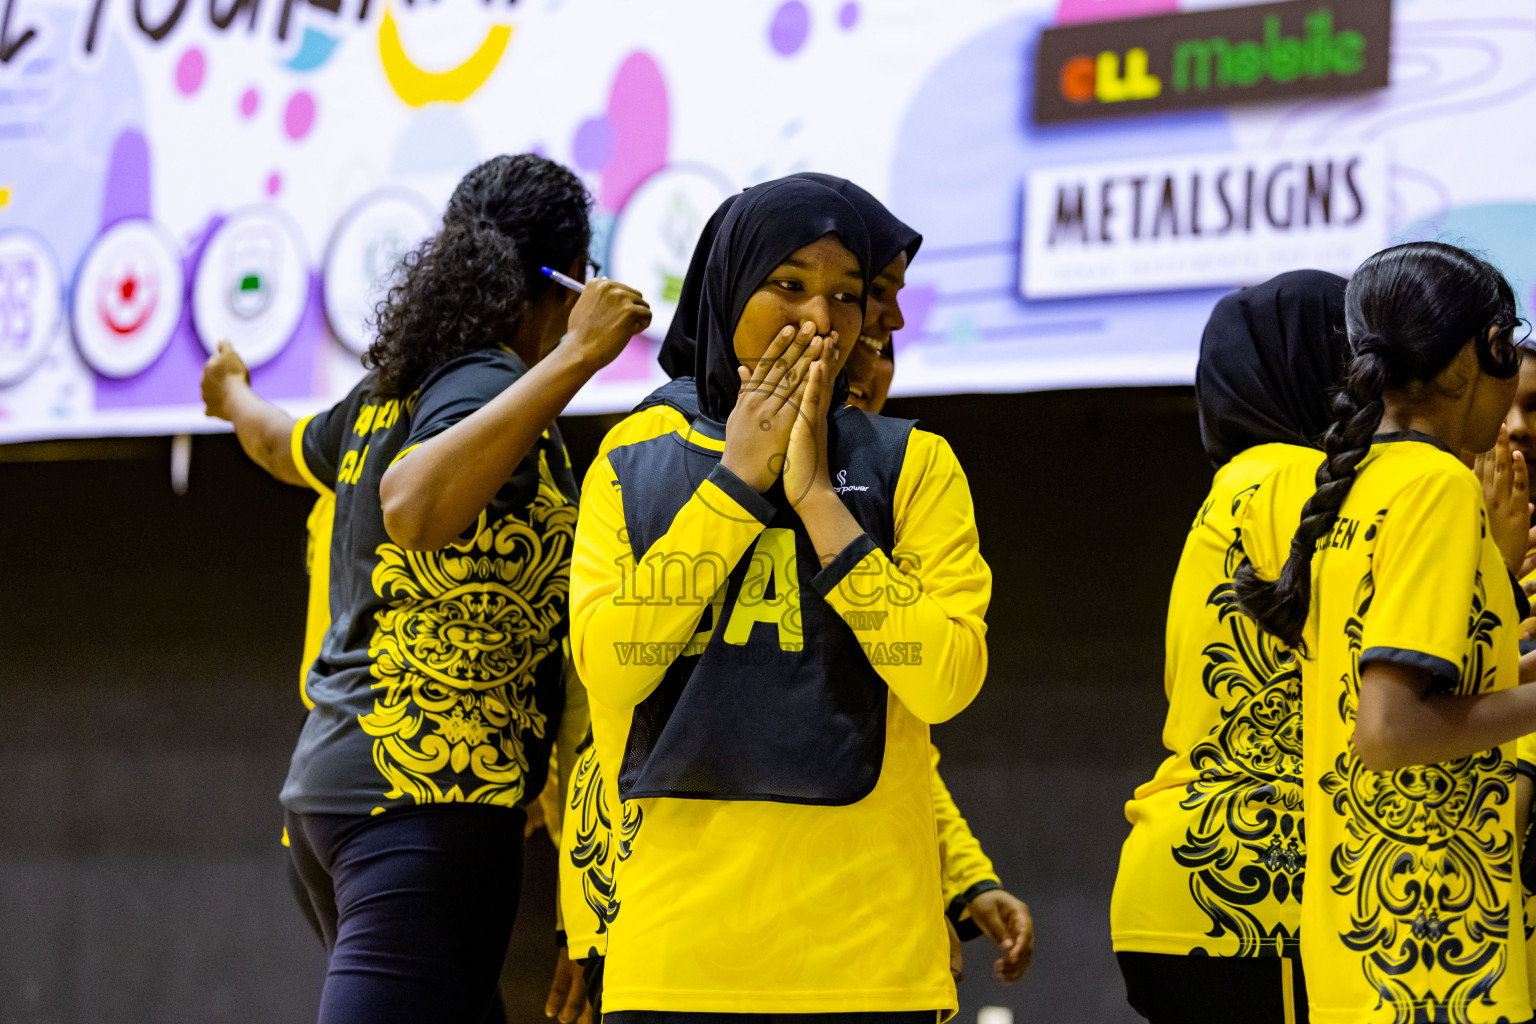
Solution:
(1269, 358)
(676, 355)
(888, 238)
(761, 229)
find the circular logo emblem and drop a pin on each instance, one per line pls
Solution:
(363, 255)
(252, 285)
(128, 298)
(31, 302)
(656, 231)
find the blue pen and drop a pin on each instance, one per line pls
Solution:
(559, 278)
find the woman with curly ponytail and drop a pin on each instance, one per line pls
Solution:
(438, 689)
(1206, 911)
(1398, 585)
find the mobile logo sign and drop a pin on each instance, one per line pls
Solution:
(1263, 52)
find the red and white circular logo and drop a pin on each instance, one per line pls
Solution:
(128, 298)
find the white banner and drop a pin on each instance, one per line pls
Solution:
(173, 173)
(1201, 221)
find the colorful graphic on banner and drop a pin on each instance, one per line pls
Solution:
(364, 253)
(653, 237)
(30, 303)
(251, 285)
(1251, 53)
(128, 299)
(192, 118)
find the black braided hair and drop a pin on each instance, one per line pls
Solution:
(1410, 311)
(466, 288)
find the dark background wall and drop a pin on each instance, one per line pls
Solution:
(149, 650)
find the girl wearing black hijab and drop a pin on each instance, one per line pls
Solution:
(1206, 908)
(973, 895)
(770, 609)
(892, 246)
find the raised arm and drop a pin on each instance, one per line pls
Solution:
(264, 430)
(433, 492)
(1401, 722)
(627, 627)
(1426, 574)
(628, 620)
(921, 617)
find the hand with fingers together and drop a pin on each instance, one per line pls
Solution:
(757, 432)
(1506, 492)
(805, 466)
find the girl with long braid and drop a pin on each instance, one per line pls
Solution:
(1397, 588)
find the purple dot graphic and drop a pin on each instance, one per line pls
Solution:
(299, 118)
(791, 24)
(189, 71)
(274, 183)
(594, 144)
(249, 102)
(849, 15)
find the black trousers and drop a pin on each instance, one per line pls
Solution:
(1167, 989)
(416, 907)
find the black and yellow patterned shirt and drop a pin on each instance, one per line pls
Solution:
(1214, 862)
(1413, 908)
(440, 677)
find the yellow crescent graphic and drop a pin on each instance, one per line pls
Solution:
(418, 87)
(5, 196)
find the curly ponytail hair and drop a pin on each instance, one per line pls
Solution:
(467, 287)
(1410, 311)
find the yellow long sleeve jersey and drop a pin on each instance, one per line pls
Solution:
(764, 720)
(597, 831)
(600, 830)
(966, 870)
